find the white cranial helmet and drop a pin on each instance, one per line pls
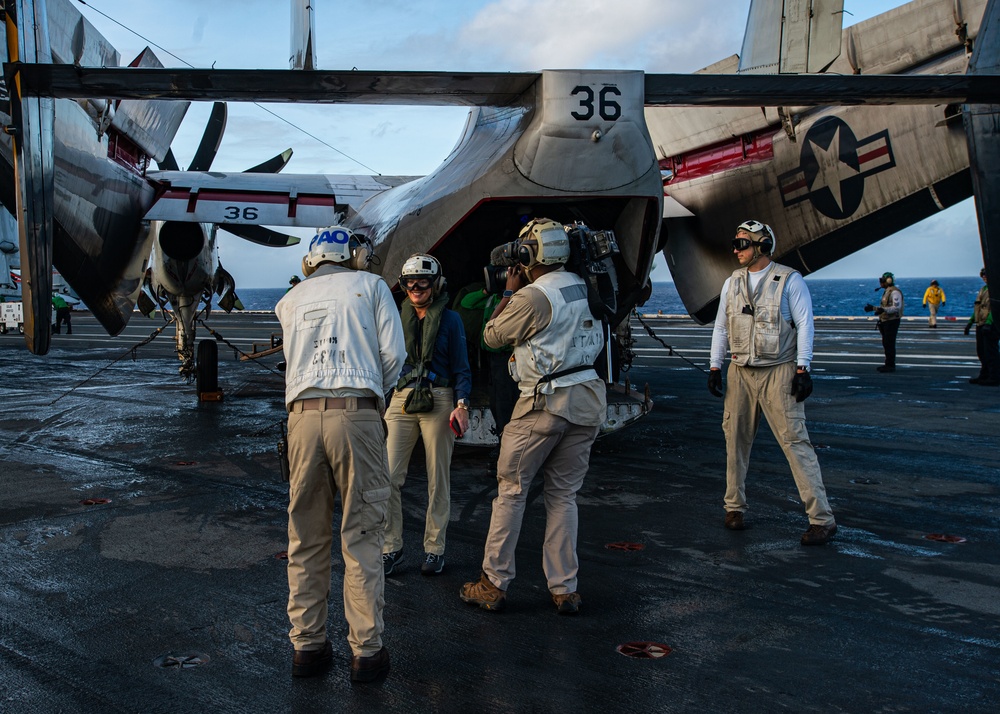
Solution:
(337, 244)
(763, 235)
(421, 265)
(542, 241)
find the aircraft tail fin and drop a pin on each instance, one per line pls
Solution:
(303, 35)
(791, 37)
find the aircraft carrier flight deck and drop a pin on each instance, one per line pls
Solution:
(141, 535)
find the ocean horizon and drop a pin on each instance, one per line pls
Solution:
(832, 297)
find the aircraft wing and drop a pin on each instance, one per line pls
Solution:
(487, 89)
(241, 198)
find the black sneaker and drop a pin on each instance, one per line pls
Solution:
(885, 368)
(391, 560)
(433, 564)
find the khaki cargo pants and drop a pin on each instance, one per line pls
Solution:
(439, 444)
(331, 451)
(539, 441)
(751, 391)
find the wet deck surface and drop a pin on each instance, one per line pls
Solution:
(181, 559)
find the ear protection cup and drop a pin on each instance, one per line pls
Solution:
(767, 244)
(526, 255)
(361, 252)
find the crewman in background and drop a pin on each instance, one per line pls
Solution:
(889, 313)
(63, 314)
(987, 337)
(933, 299)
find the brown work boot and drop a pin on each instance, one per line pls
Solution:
(370, 668)
(734, 521)
(818, 535)
(484, 593)
(309, 663)
(567, 603)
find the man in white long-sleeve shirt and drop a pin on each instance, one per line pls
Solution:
(343, 343)
(765, 319)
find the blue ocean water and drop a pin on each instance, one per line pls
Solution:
(831, 298)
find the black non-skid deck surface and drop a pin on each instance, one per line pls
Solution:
(179, 565)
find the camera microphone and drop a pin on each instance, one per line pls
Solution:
(500, 256)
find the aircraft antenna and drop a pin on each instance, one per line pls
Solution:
(272, 113)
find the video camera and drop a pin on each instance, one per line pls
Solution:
(591, 257)
(501, 258)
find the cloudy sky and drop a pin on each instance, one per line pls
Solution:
(455, 35)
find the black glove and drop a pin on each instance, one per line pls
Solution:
(802, 386)
(879, 310)
(715, 382)
(968, 326)
(869, 307)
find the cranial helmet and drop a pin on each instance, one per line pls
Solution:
(421, 265)
(542, 241)
(763, 236)
(889, 278)
(337, 244)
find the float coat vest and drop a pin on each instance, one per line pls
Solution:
(981, 308)
(758, 335)
(571, 341)
(887, 303)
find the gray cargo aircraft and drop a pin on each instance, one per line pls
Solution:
(829, 179)
(570, 144)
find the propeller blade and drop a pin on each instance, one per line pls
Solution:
(169, 163)
(272, 165)
(211, 139)
(261, 235)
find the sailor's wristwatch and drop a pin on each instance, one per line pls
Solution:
(463, 404)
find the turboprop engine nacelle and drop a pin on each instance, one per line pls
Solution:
(184, 258)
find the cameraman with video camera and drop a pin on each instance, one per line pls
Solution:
(544, 315)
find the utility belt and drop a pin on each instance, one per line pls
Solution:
(351, 404)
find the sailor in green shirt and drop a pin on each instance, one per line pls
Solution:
(502, 390)
(63, 310)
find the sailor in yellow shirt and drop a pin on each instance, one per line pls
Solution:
(933, 299)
